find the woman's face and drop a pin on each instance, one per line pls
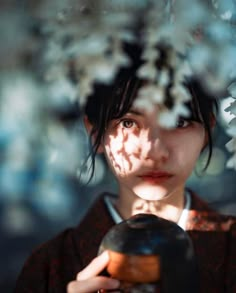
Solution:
(147, 160)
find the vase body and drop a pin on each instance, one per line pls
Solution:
(150, 254)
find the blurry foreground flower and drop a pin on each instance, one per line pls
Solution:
(61, 49)
(231, 130)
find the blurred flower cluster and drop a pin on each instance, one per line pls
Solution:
(84, 45)
(42, 140)
(231, 130)
(52, 52)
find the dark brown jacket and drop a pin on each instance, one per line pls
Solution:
(54, 264)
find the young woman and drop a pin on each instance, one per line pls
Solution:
(151, 165)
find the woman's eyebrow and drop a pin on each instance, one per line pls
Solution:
(135, 112)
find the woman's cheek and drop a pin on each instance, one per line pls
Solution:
(131, 146)
(187, 156)
(123, 159)
(123, 144)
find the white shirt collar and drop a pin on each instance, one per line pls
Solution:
(182, 220)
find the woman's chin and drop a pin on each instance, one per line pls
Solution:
(151, 193)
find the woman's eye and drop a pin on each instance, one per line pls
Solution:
(128, 123)
(182, 123)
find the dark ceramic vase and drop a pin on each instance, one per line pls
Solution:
(151, 254)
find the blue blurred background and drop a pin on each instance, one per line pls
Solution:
(43, 145)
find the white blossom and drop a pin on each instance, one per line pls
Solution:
(152, 92)
(61, 88)
(95, 44)
(231, 145)
(102, 70)
(227, 15)
(183, 71)
(148, 96)
(180, 93)
(232, 127)
(147, 71)
(232, 108)
(85, 89)
(89, 44)
(150, 54)
(168, 118)
(145, 104)
(163, 79)
(120, 59)
(232, 89)
(231, 163)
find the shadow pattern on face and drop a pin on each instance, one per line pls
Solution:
(122, 150)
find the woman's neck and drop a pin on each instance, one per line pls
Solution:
(169, 208)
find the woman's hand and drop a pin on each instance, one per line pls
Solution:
(88, 281)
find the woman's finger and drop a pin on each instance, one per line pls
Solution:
(94, 268)
(92, 285)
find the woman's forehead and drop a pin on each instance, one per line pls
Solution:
(142, 111)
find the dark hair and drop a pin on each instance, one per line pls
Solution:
(110, 102)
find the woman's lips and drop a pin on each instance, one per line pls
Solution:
(155, 177)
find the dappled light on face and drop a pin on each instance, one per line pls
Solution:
(137, 141)
(115, 154)
(147, 206)
(125, 149)
(144, 206)
(149, 191)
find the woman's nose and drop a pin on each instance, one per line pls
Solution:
(157, 148)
